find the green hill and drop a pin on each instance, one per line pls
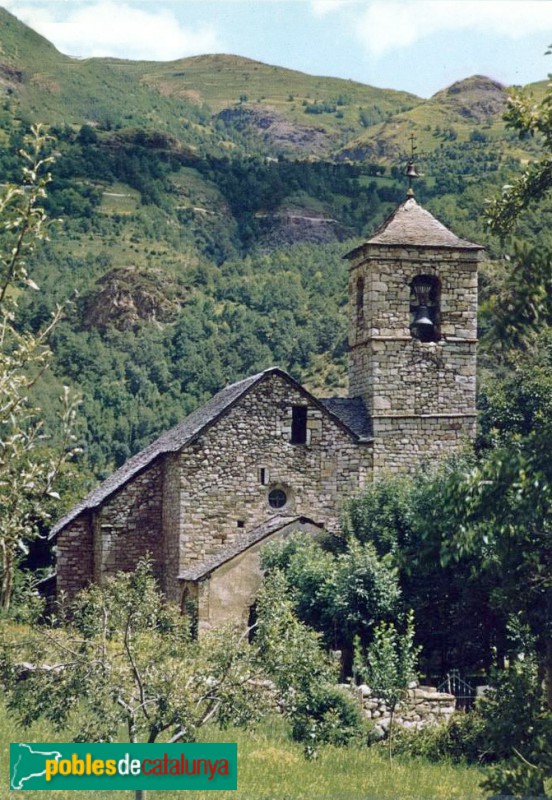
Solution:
(207, 204)
(188, 97)
(468, 110)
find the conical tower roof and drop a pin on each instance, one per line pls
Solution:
(411, 225)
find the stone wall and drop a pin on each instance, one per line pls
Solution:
(223, 494)
(420, 395)
(405, 444)
(171, 524)
(423, 706)
(126, 527)
(75, 556)
(408, 376)
(185, 506)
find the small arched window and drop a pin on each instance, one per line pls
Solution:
(360, 300)
(425, 295)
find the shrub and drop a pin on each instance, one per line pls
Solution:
(510, 712)
(519, 727)
(462, 739)
(327, 716)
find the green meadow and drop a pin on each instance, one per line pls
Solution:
(272, 767)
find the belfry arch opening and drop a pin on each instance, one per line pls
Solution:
(425, 298)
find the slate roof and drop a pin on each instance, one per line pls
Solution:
(169, 442)
(182, 434)
(410, 224)
(272, 525)
(352, 413)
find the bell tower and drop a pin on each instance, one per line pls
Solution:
(413, 336)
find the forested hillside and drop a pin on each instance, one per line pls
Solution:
(206, 205)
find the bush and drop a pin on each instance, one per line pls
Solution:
(511, 711)
(462, 739)
(510, 726)
(519, 727)
(327, 716)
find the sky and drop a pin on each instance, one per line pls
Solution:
(420, 46)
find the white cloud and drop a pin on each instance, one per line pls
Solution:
(322, 7)
(106, 28)
(388, 25)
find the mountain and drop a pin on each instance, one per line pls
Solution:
(225, 104)
(207, 203)
(280, 109)
(452, 114)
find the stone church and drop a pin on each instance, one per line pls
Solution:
(264, 457)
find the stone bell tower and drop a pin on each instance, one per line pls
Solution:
(413, 337)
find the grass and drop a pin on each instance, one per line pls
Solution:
(271, 767)
(220, 80)
(119, 198)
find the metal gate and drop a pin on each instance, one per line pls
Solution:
(461, 689)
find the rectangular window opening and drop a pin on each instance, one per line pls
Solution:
(263, 476)
(241, 523)
(298, 424)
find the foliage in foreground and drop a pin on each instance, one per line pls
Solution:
(340, 594)
(126, 660)
(29, 465)
(272, 767)
(510, 729)
(389, 665)
(527, 119)
(304, 677)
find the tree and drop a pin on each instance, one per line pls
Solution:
(339, 594)
(127, 659)
(406, 520)
(503, 505)
(28, 467)
(528, 119)
(124, 658)
(390, 665)
(518, 732)
(505, 501)
(303, 674)
(520, 306)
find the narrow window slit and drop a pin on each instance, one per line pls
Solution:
(299, 425)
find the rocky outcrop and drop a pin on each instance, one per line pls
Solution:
(10, 77)
(287, 227)
(281, 134)
(477, 98)
(126, 296)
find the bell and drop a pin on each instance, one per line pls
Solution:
(411, 171)
(423, 326)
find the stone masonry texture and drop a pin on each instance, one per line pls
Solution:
(203, 488)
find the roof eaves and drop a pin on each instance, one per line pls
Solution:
(166, 443)
(262, 531)
(428, 227)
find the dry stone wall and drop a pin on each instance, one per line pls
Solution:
(423, 706)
